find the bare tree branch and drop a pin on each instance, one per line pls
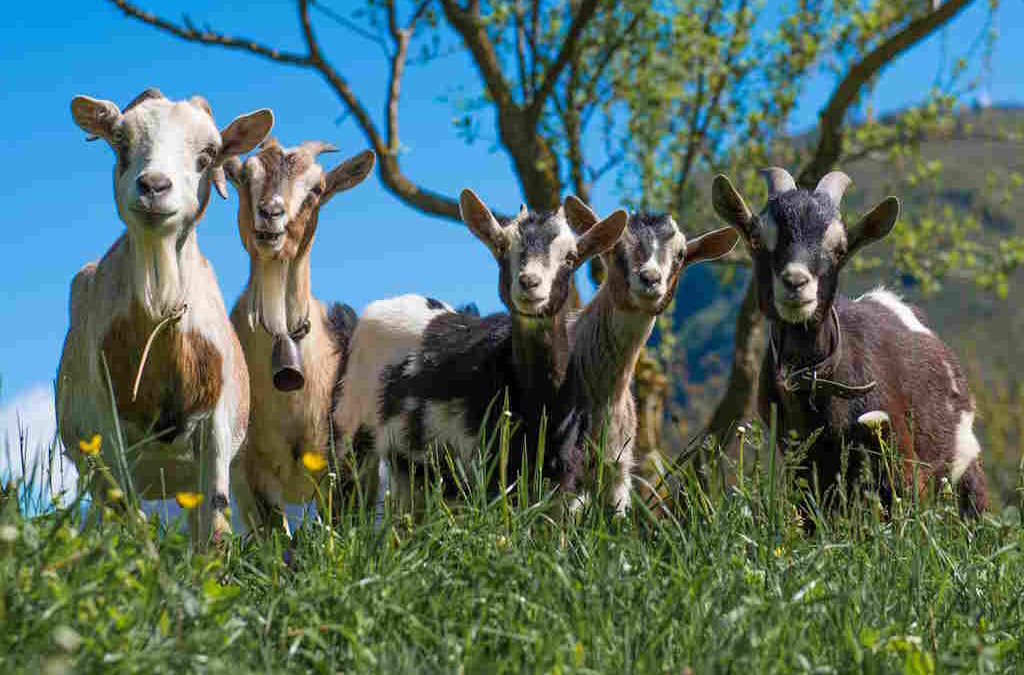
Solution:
(467, 23)
(350, 25)
(210, 37)
(830, 140)
(390, 172)
(583, 16)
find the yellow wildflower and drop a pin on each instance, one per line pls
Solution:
(189, 500)
(115, 494)
(92, 446)
(314, 461)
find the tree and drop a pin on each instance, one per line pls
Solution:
(655, 94)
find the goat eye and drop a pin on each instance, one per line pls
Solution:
(570, 259)
(318, 189)
(204, 161)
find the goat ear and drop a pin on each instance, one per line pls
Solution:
(730, 207)
(580, 216)
(245, 132)
(95, 116)
(874, 226)
(601, 237)
(481, 222)
(349, 174)
(711, 245)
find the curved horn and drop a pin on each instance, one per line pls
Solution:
(833, 185)
(315, 148)
(778, 180)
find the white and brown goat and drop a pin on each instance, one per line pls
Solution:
(606, 337)
(831, 359)
(294, 344)
(155, 287)
(447, 378)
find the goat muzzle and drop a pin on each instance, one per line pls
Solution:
(286, 364)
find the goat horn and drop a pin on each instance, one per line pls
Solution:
(151, 92)
(833, 185)
(778, 180)
(314, 148)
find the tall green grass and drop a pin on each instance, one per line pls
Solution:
(727, 581)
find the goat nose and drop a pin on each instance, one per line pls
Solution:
(153, 184)
(795, 278)
(529, 281)
(650, 276)
(271, 210)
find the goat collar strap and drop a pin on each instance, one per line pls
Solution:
(296, 335)
(813, 378)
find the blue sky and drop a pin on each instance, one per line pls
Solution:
(57, 188)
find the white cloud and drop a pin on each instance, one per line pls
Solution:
(28, 436)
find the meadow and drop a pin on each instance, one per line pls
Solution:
(729, 579)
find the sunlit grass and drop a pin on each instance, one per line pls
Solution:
(728, 581)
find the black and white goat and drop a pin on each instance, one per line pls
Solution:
(412, 402)
(294, 345)
(830, 359)
(595, 401)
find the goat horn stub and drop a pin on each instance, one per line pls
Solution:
(833, 185)
(315, 148)
(286, 364)
(779, 181)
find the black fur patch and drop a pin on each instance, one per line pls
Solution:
(220, 501)
(472, 361)
(434, 304)
(341, 322)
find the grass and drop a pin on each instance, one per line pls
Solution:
(729, 582)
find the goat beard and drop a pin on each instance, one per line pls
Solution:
(159, 262)
(268, 297)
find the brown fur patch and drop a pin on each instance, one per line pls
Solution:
(183, 376)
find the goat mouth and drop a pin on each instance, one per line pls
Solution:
(267, 237)
(152, 214)
(529, 306)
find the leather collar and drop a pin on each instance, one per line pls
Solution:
(813, 379)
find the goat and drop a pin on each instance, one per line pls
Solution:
(151, 306)
(295, 345)
(606, 337)
(831, 359)
(440, 392)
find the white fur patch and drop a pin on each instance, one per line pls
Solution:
(895, 304)
(808, 294)
(387, 333)
(966, 448)
(952, 378)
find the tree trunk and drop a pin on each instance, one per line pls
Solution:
(740, 395)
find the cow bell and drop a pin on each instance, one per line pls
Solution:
(286, 364)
